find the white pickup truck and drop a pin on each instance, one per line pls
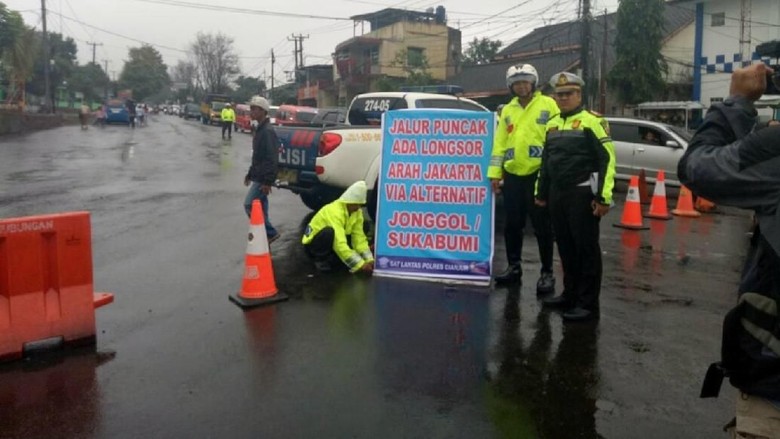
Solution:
(351, 153)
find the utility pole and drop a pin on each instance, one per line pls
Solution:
(47, 86)
(298, 52)
(273, 61)
(603, 75)
(585, 49)
(105, 90)
(745, 37)
(94, 45)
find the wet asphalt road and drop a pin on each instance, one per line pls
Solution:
(345, 357)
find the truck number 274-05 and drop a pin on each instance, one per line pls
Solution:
(376, 105)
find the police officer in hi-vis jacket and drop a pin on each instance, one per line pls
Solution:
(576, 180)
(516, 157)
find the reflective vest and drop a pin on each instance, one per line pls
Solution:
(228, 115)
(344, 224)
(519, 139)
(578, 147)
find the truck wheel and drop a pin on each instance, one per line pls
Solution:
(315, 200)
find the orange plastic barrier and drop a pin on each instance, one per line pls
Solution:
(46, 295)
(632, 212)
(658, 208)
(685, 204)
(258, 287)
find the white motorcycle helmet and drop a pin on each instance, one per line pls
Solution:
(522, 72)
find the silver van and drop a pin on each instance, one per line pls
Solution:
(645, 144)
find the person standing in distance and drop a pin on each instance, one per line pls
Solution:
(228, 118)
(731, 163)
(265, 161)
(576, 180)
(515, 159)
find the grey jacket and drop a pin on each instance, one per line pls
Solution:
(730, 163)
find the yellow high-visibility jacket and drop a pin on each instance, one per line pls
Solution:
(578, 148)
(228, 115)
(519, 138)
(344, 224)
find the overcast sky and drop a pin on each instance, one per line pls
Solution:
(259, 26)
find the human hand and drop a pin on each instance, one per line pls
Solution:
(368, 267)
(265, 189)
(246, 181)
(495, 183)
(540, 203)
(750, 82)
(599, 209)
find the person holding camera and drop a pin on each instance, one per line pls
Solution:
(729, 162)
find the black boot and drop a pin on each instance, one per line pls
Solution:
(512, 274)
(559, 302)
(545, 284)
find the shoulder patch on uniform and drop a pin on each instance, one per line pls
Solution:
(544, 116)
(576, 124)
(605, 125)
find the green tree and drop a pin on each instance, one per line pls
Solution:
(246, 87)
(11, 24)
(89, 79)
(637, 75)
(415, 65)
(62, 59)
(480, 51)
(18, 48)
(144, 73)
(216, 61)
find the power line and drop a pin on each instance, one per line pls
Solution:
(222, 8)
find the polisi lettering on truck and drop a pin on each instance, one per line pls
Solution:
(294, 153)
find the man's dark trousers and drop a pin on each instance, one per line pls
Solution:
(577, 236)
(518, 205)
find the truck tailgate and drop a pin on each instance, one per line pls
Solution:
(297, 156)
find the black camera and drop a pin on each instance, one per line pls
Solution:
(771, 49)
(773, 82)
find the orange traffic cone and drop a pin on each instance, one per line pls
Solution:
(704, 205)
(644, 197)
(632, 213)
(658, 209)
(258, 287)
(685, 204)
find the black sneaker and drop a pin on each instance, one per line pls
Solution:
(545, 284)
(512, 274)
(579, 315)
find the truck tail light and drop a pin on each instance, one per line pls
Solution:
(329, 142)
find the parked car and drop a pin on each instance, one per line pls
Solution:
(191, 111)
(243, 121)
(116, 112)
(326, 117)
(294, 115)
(644, 144)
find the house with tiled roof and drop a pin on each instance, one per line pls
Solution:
(554, 48)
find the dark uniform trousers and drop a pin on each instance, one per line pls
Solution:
(518, 205)
(577, 234)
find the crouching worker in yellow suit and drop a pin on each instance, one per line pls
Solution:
(337, 233)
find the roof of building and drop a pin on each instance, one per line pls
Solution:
(489, 79)
(569, 34)
(554, 48)
(388, 16)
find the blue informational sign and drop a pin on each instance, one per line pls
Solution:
(435, 205)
